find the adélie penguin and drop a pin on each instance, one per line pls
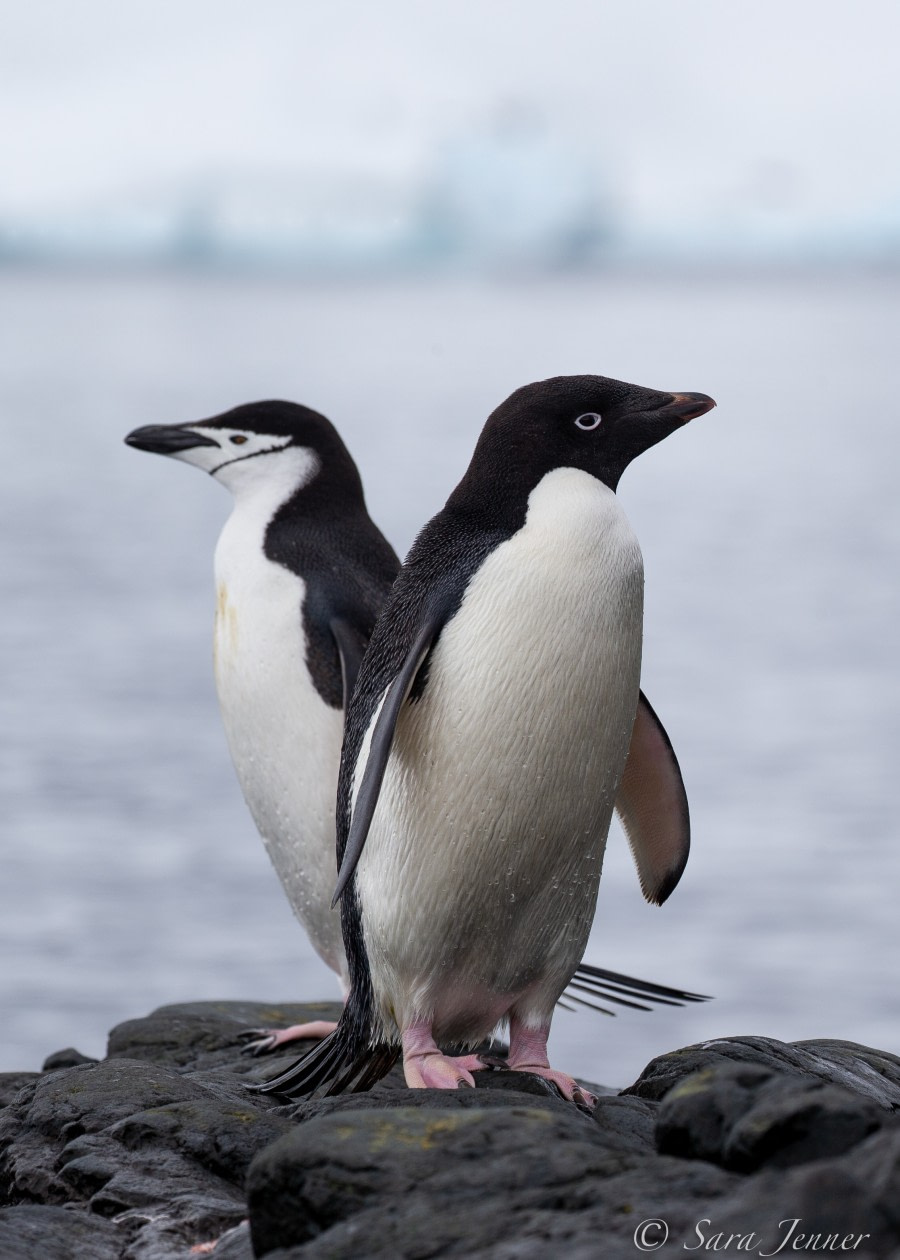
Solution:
(496, 723)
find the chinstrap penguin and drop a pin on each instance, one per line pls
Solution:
(301, 573)
(496, 723)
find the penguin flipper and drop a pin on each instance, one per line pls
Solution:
(350, 652)
(380, 747)
(652, 807)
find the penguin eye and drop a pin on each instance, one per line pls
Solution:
(590, 420)
(239, 439)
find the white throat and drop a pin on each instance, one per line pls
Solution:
(269, 478)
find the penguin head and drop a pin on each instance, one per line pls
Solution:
(588, 422)
(256, 444)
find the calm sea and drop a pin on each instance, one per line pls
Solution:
(131, 872)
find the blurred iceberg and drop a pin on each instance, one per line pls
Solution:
(513, 196)
(509, 196)
(506, 197)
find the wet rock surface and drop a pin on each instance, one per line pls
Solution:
(742, 1145)
(743, 1117)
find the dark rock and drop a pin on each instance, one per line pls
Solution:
(406, 1183)
(134, 1138)
(69, 1057)
(331, 1169)
(61, 1106)
(145, 1155)
(89, 1098)
(873, 1073)
(12, 1084)
(205, 1035)
(855, 1195)
(221, 1137)
(55, 1233)
(629, 1123)
(698, 1113)
(742, 1117)
(796, 1122)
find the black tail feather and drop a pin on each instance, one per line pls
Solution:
(338, 1063)
(596, 991)
(595, 1006)
(614, 987)
(382, 1059)
(318, 1065)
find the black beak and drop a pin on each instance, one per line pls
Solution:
(166, 439)
(686, 407)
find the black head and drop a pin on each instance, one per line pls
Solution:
(230, 446)
(588, 422)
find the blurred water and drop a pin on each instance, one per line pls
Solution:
(132, 874)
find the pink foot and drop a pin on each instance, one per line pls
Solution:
(567, 1085)
(426, 1068)
(470, 1062)
(528, 1053)
(207, 1248)
(268, 1039)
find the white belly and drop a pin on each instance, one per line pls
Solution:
(479, 878)
(285, 741)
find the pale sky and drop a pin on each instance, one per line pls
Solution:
(693, 106)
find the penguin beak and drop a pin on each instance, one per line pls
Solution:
(166, 439)
(686, 407)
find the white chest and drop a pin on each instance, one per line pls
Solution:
(259, 644)
(284, 739)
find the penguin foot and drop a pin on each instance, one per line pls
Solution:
(475, 1062)
(425, 1067)
(567, 1085)
(528, 1053)
(265, 1040)
(435, 1071)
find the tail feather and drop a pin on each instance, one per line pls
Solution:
(614, 987)
(572, 996)
(337, 1064)
(383, 1059)
(309, 1072)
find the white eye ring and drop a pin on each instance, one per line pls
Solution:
(590, 420)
